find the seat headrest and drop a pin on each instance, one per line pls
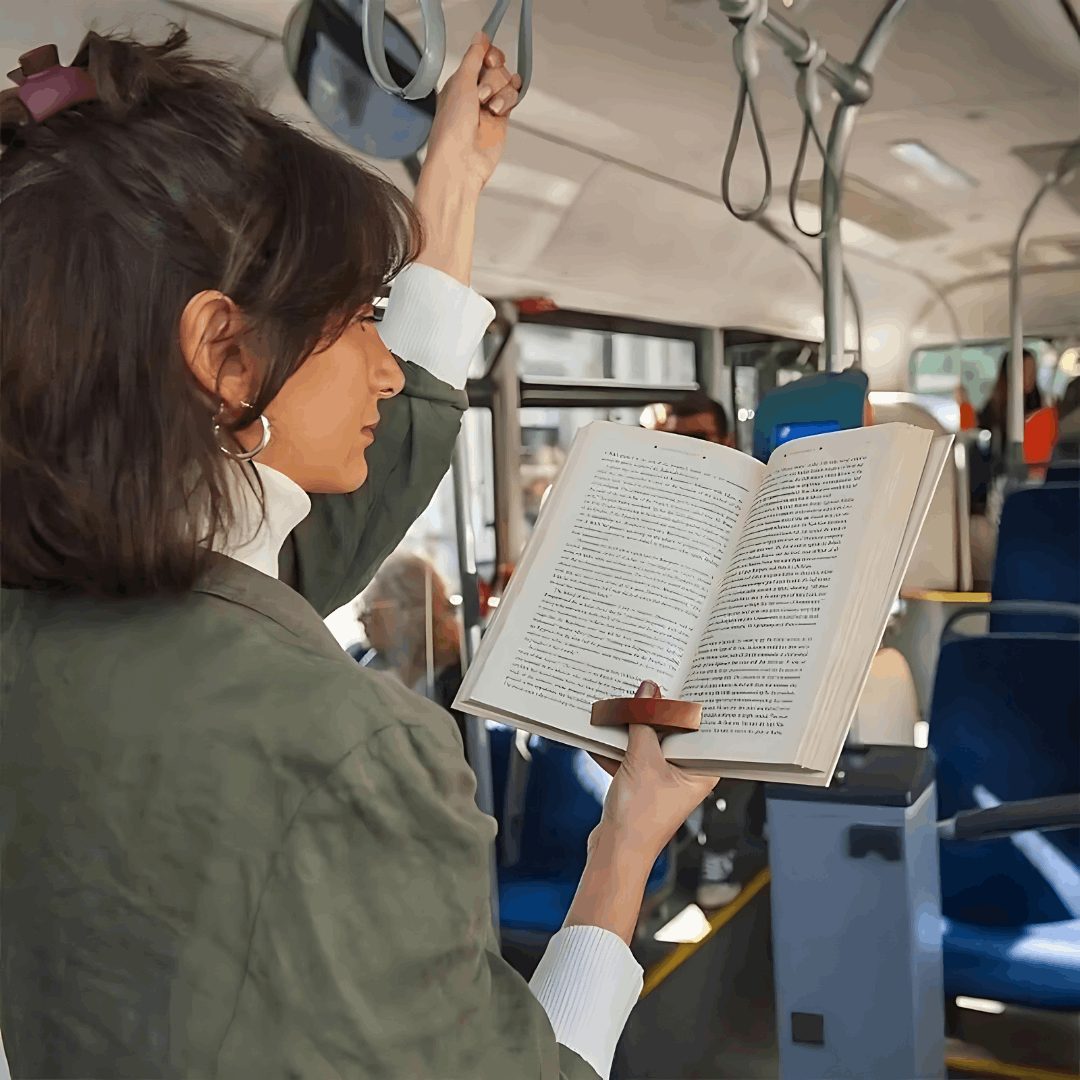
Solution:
(828, 401)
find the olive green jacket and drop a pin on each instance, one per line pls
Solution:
(228, 850)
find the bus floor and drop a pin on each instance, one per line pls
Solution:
(714, 1018)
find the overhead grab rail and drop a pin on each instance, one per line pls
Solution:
(426, 79)
(854, 85)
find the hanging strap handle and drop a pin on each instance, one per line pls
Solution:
(433, 58)
(748, 66)
(427, 74)
(808, 95)
(525, 45)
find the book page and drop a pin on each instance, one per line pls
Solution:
(770, 627)
(616, 579)
(850, 685)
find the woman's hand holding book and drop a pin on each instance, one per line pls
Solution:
(649, 798)
(646, 803)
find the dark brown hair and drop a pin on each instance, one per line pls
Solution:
(697, 402)
(114, 213)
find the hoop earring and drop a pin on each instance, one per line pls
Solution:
(248, 455)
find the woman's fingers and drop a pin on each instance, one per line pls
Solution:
(498, 88)
(501, 103)
(492, 81)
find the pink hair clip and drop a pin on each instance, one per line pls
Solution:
(45, 88)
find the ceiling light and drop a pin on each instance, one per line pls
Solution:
(929, 164)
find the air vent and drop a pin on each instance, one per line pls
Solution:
(1042, 160)
(877, 210)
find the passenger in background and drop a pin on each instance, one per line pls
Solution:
(987, 498)
(698, 416)
(992, 417)
(393, 611)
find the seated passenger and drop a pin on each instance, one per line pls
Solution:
(992, 415)
(700, 417)
(986, 503)
(394, 614)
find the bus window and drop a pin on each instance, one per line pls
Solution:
(479, 448)
(942, 371)
(571, 354)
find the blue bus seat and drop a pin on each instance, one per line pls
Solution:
(1038, 556)
(1005, 718)
(1005, 714)
(1036, 966)
(828, 401)
(563, 803)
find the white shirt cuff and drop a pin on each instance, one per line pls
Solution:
(436, 322)
(588, 982)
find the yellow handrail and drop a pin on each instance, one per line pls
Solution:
(990, 1067)
(944, 597)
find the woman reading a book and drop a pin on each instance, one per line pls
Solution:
(229, 850)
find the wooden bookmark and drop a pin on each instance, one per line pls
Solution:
(665, 715)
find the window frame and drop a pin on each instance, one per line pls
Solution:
(608, 394)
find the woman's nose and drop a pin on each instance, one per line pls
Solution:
(390, 379)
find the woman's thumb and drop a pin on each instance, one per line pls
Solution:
(641, 737)
(473, 61)
(642, 740)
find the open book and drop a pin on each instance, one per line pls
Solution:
(761, 592)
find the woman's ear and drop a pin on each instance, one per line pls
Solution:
(209, 339)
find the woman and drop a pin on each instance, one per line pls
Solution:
(992, 417)
(228, 850)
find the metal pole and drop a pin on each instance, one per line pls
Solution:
(1014, 397)
(843, 126)
(506, 425)
(477, 747)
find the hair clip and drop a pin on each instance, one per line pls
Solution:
(45, 87)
